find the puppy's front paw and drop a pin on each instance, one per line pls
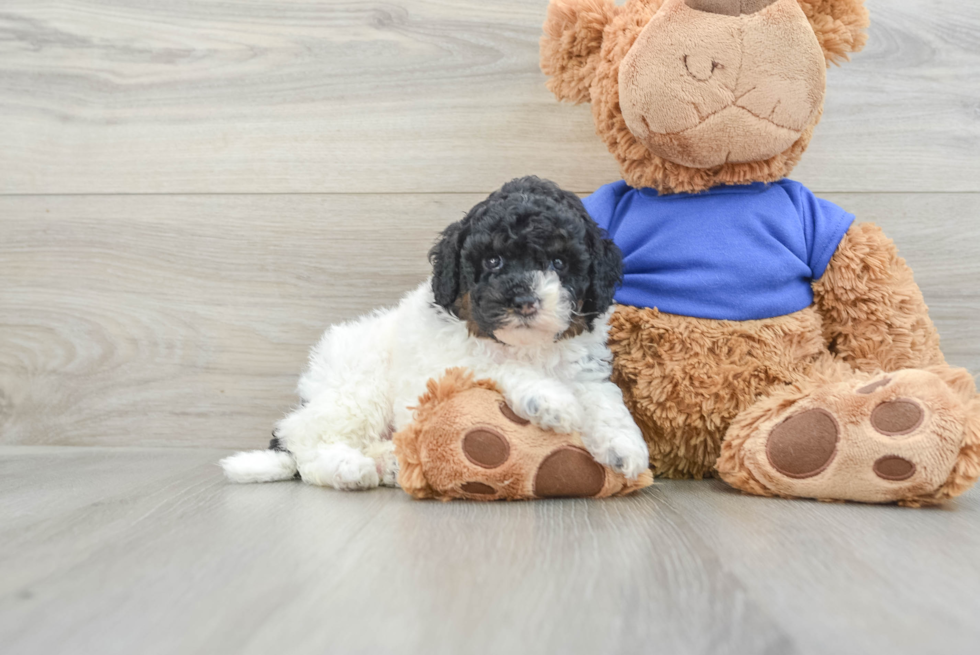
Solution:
(388, 470)
(552, 409)
(623, 451)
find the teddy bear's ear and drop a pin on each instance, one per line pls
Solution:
(840, 26)
(571, 43)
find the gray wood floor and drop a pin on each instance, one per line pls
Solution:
(149, 551)
(191, 190)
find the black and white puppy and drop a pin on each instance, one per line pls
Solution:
(520, 293)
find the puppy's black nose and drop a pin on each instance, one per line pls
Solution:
(526, 305)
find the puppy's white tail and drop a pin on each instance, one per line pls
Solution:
(259, 466)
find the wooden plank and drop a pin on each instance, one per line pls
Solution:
(938, 236)
(848, 578)
(191, 564)
(166, 321)
(210, 96)
(887, 112)
(162, 320)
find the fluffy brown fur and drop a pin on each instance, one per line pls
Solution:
(573, 34)
(840, 26)
(685, 379)
(874, 316)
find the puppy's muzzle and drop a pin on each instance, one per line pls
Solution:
(526, 305)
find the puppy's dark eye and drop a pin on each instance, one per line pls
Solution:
(559, 264)
(493, 264)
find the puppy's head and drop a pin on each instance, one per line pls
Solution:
(526, 266)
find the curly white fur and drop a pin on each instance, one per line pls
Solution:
(365, 376)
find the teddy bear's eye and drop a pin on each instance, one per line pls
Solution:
(493, 264)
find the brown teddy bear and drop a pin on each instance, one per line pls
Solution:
(761, 335)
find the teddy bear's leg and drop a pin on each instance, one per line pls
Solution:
(685, 379)
(911, 436)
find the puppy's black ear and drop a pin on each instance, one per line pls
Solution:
(605, 272)
(444, 258)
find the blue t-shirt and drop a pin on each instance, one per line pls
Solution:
(732, 252)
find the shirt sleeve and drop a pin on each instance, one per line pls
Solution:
(824, 225)
(602, 204)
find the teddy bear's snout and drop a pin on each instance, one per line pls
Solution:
(749, 82)
(729, 7)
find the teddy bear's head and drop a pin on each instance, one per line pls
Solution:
(690, 94)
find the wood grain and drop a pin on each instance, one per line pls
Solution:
(185, 320)
(262, 96)
(184, 562)
(162, 320)
(897, 580)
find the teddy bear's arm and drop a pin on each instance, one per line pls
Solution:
(874, 316)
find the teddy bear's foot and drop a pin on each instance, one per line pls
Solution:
(467, 442)
(503, 456)
(911, 436)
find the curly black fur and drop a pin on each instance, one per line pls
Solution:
(529, 224)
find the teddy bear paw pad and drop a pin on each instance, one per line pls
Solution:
(892, 467)
(569, 472)
(486, 448)
(511, 415)
(887, 440)
(897, 417)
(804, 445)
(478, 489)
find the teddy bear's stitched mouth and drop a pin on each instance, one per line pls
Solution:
(704, 119)
(750, 138)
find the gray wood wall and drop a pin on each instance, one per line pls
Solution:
(191, 190)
